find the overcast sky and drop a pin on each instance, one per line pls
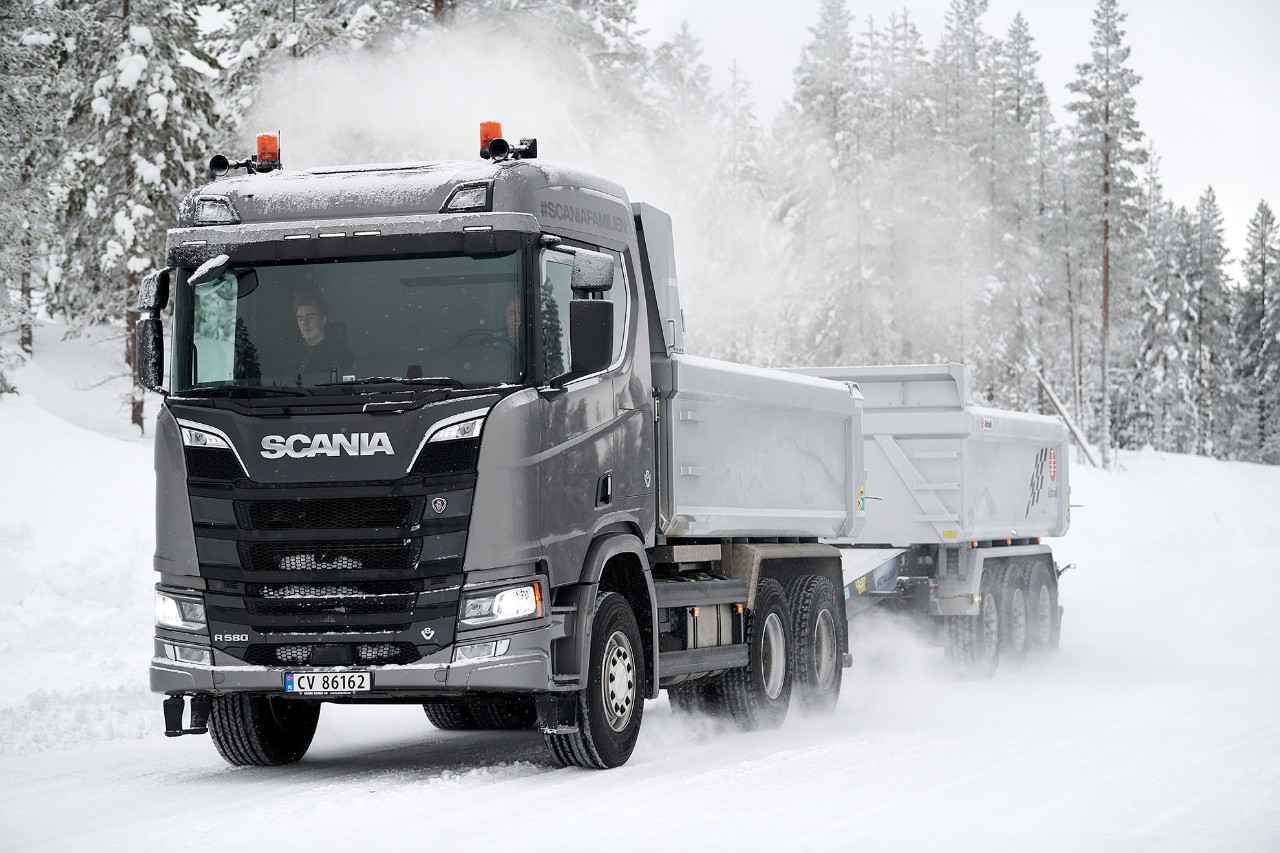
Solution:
(1209, 100)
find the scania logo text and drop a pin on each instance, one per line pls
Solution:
(338, 444)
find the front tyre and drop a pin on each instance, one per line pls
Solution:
(262, 731)
(612, 705)
(818, 623)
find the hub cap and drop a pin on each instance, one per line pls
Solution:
(618, 681)
(773, 656)
(824, 646)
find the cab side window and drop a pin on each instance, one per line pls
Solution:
(557, 268)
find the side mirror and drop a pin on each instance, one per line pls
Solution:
(590, 337)
(149, 353)
(592, 272)
(153, 294)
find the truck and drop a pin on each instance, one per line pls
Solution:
(431, 436)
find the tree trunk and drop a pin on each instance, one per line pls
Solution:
(1106, 297)
(26, 339)
(130, 290)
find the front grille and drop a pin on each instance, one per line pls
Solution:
(299, 654)
(208, 463)
(352, 605)
(447, 457)
(328, 513)
(330, 556)
(313, 590)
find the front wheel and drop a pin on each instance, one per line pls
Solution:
(612, 705)
(262, 731)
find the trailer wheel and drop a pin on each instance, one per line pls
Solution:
(973, 642)
(610, 708)
(818, 624)
(450, 717)
(758, 695)
(1014, 615)
(1042, 610)
(262, 731)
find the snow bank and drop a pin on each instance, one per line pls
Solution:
(76, 532)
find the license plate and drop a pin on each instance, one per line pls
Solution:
(327, 682)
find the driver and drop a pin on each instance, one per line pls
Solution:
(320, 352)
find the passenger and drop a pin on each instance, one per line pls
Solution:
(320, 352)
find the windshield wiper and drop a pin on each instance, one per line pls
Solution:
(438, 381)
(248, 390)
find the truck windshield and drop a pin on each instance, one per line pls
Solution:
(454, 318)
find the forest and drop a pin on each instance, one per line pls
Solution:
(911, 203)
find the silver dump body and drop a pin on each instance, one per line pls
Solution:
(747, 451)
(941, 470)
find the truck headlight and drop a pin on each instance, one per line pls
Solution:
(464, 429)
(199, 438)
(490, 606)
(185, 614)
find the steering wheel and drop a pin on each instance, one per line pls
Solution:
(478, 336)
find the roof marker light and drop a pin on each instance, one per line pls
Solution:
(268, 151)
(489, 131)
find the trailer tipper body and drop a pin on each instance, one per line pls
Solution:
(431, 436)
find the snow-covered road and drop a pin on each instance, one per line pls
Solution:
(1155, 727)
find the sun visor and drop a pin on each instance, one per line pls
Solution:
(467, 234)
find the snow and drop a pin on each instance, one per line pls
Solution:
(130, 67)
(1153, 728)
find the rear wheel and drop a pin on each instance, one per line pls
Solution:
(1013, 615)
(1042, 610)
(758, 695)
(973, 642)
(612, 705)
(818, 624)
(262, 731)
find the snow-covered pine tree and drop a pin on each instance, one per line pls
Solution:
(820, 180)
(138, 124)
(1108, 138)
(33, 46)
(1259, 328)
(1007, 316)
(255, 35)
(1157, 408)
(1215, 342)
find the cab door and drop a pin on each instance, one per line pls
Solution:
(579, 428)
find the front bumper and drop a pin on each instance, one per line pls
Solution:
(524, 668)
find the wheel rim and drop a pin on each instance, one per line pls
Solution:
(1018, 620)
(618, 686)
(824, 644)
(1043, 616)
(773, 656)
(990, 625)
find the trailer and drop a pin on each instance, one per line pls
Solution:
(960, 498)
(430, 435)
